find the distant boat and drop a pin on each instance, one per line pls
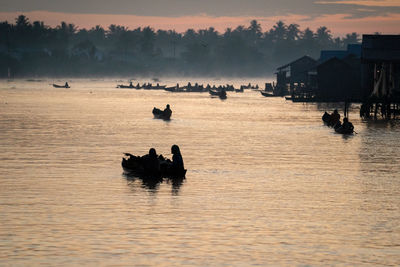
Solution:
(66, 85)
(267, 94)
(240, 90)
(160, 114)
(220, 94)
(301, 99)
(131, 86)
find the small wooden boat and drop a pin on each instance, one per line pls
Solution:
(343, 130)
(61, 86)
(213, 93)
(267, 94)
(220, 94)
(160, 114)
(158, 87)
(175, 89)
(125, 86)
(241, 90)
(301, 99)
(136, 166)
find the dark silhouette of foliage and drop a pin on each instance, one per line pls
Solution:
(31, 49)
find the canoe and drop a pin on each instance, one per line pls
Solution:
(134, 166)
(125, 86)
(60, 86)
(159, 114)
(214, 93)
(266, 94)
(342, 130)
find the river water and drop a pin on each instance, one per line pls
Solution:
(267, 183)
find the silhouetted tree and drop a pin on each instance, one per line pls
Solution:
(244, 50)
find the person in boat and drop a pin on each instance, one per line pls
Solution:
(177, 161)
(347, 126)
(130, 84)
(151, 163)
(66, 85)
(167, 112)
(335, 118)
(326, 117)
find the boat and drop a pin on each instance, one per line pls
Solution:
(240, 90)
(301, 99)
(61, 86)
(326, 118)
(160, 114)
(195, 88)
(125, 86)
(267, 94)
(343, 130)
(220, 94)
(135, 166)
(213, 93)
(170, 89)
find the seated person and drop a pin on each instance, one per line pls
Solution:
(167, 111)
(347, 125)
(151, 164)
(335, 118)
(177, 161)
(326, 117)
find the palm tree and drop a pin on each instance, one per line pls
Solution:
(279, 31)
(324, 37)
(352, 38)
(293, 32)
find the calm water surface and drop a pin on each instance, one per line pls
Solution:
(267, 182)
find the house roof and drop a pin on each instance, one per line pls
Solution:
(308, 58)
(332, 61)
(328, 54)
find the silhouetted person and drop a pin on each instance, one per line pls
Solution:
(151, 164)
(167, 112)
(222, 93)
(66, 85)
(326, 117)
(335, 118)
(177, 161)
(348, 126)
(130, 84)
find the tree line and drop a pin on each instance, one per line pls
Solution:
(35, 49)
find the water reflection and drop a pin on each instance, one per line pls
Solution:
(376, 124)
(152, 184)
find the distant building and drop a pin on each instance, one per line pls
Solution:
(339, 79)
(352, 49)
(294, 74)
(336, 76)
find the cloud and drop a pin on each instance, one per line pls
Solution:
(339, 24)
(374, 3)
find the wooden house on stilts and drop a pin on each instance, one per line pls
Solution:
(380, 77)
